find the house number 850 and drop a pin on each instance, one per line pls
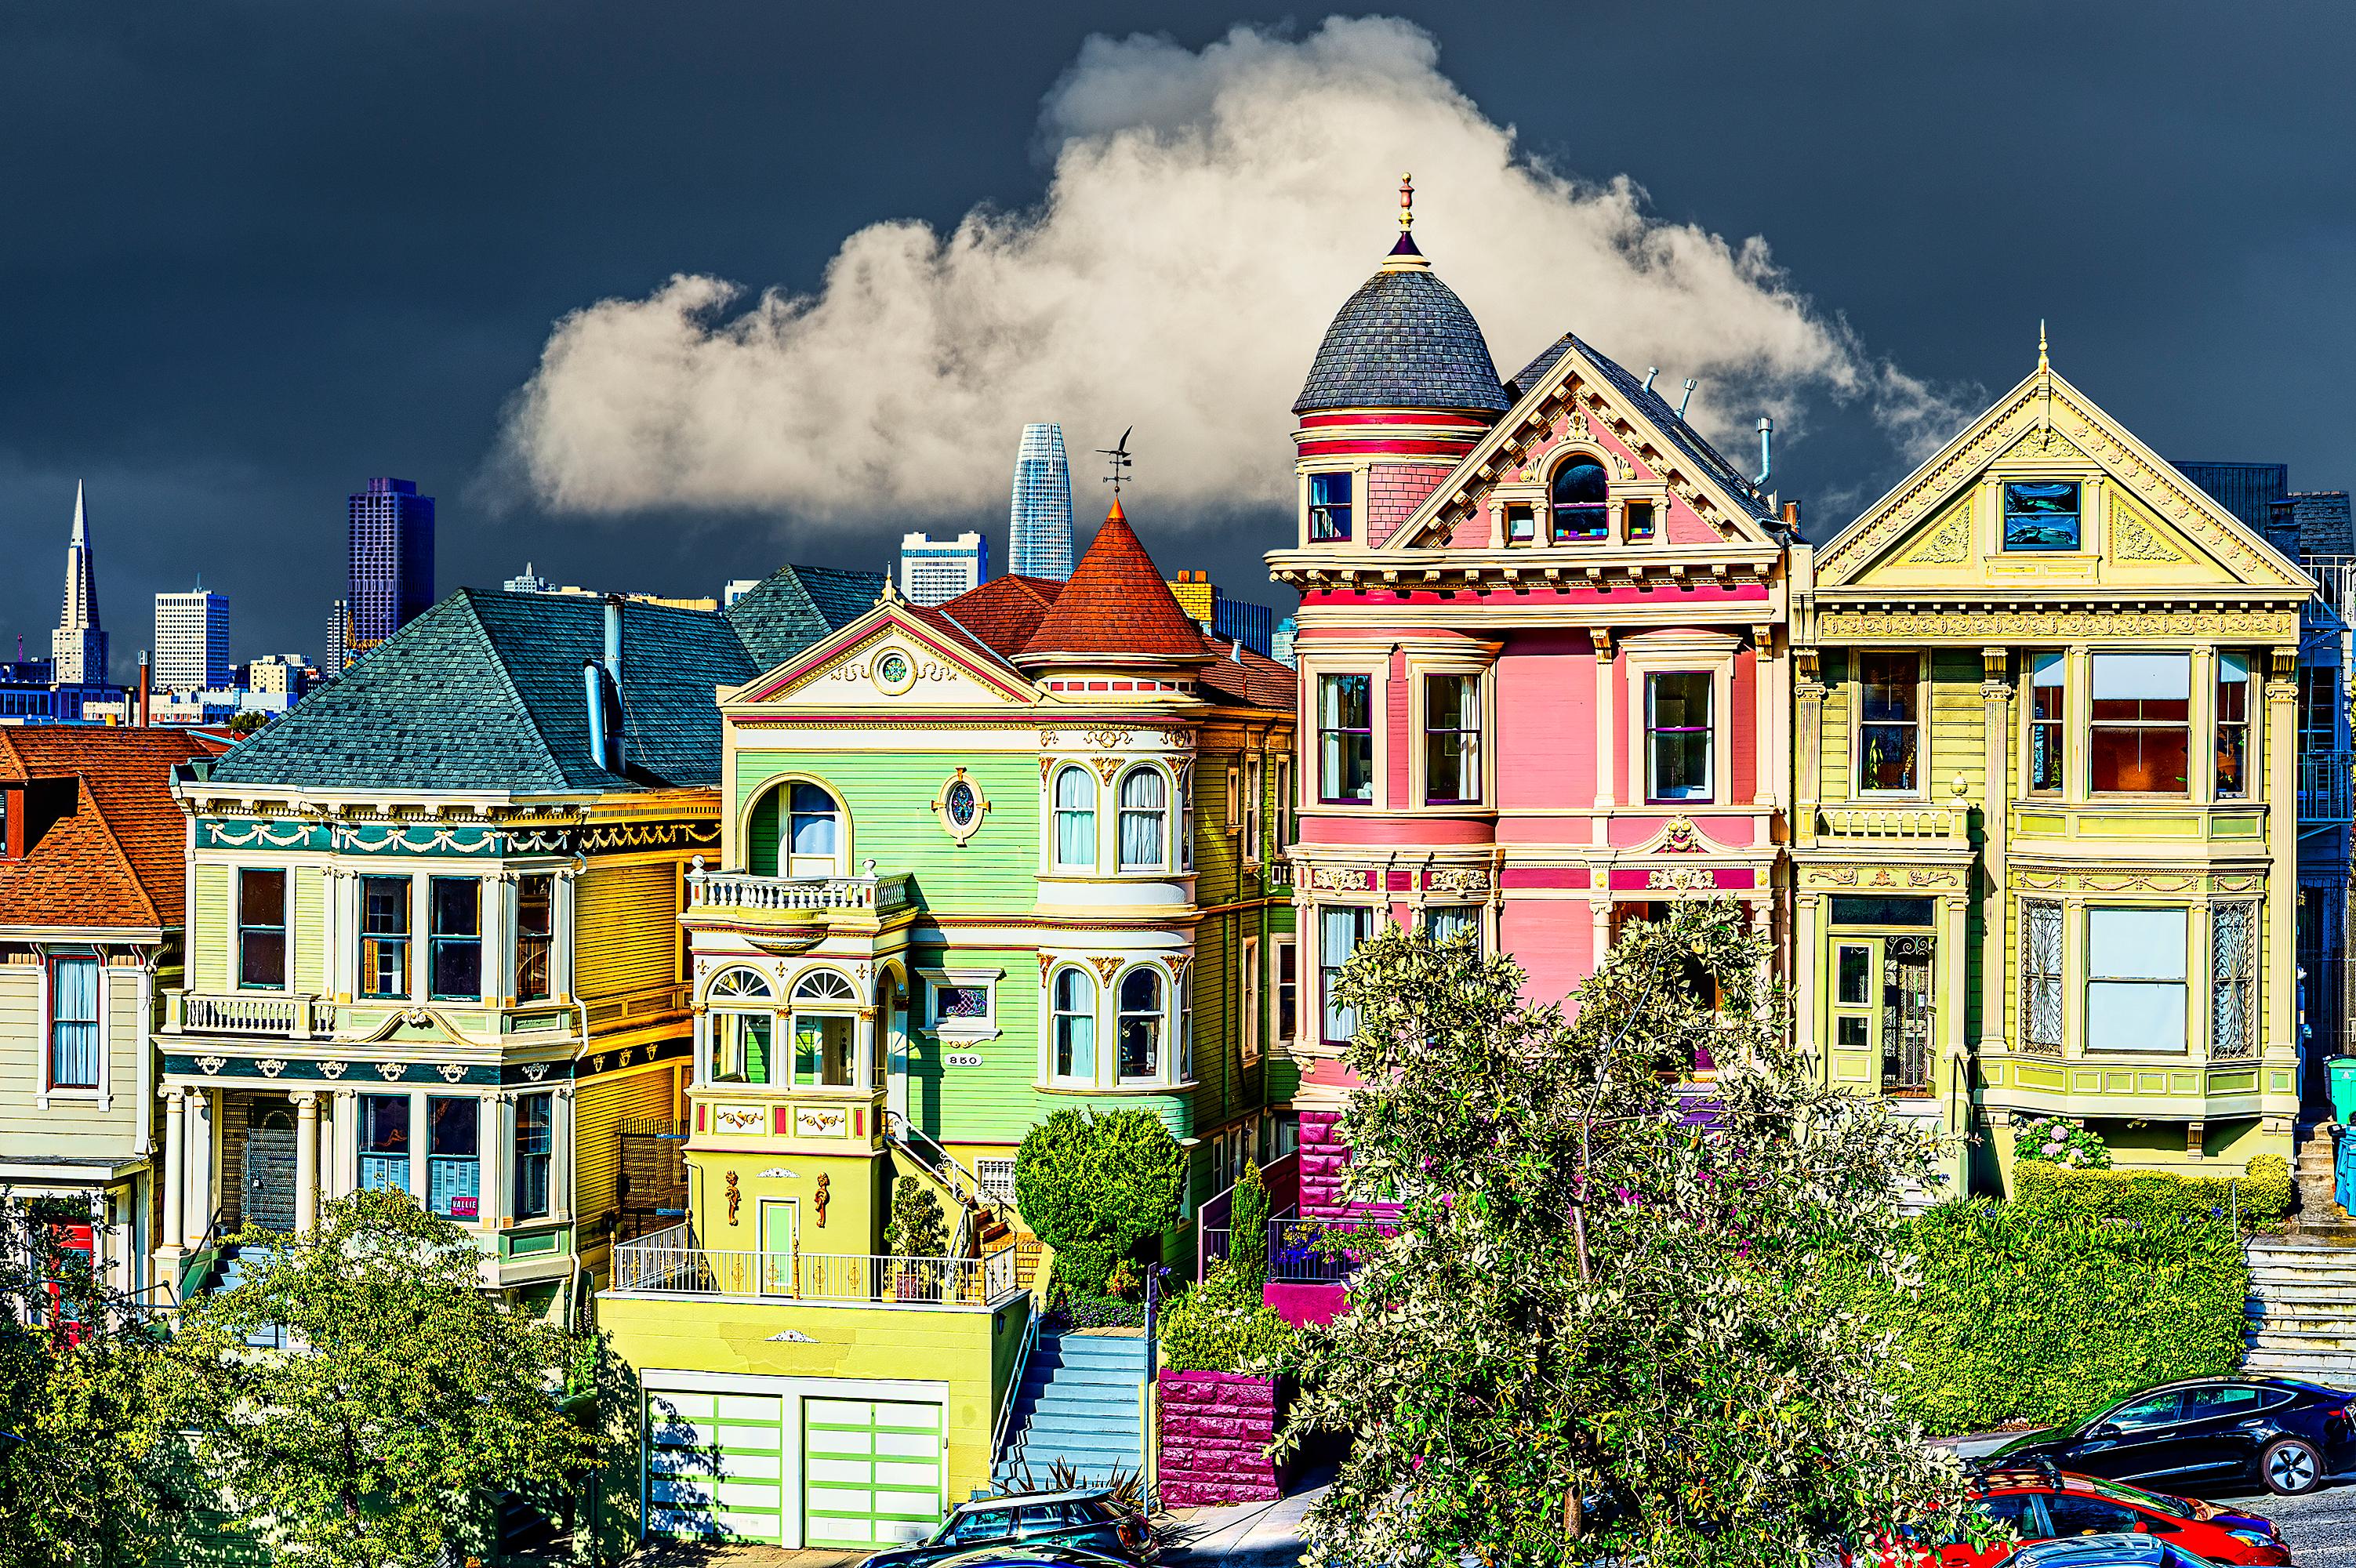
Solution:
(963, 1058)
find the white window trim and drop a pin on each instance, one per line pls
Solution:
(1378, 674)
(1169, 815)
(2191, 981)
(1482, 688)
(961, 1031)
(1712, 654)
(1277, 944)
(1248, 995)
(1173, 1074)
(1254, 779)
(45, 991)
(1050, 846)
(1049, 1077)
(1855, 683)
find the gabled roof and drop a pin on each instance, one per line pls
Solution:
(794, 605)
(108, 840)
(1115, 606)
(1005, 612)
(484, 692)
(1656, 409)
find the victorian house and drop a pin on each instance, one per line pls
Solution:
(978, 862)
(2047, 796)
(433, 929)
(1542, 675)
(91, 913)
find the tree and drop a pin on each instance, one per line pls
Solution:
(86, 1461)
(918, 1229)
(1599, 1324)
(1248, 1228)
(1097, 1187)
(407, 1399)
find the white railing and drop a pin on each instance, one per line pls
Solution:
(743, 890)
(1894, 822)
(664, 1264)
(288, 1017)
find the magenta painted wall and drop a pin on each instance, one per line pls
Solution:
(1742, 728)
(1546, 722)
(1302, 1305)
(1393, 492)
(1554, 941)
(1216, 1431)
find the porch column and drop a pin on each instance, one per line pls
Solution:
(1600, 913)
(174, 1174)
(1808, 914)
(1607, 778)
(1808, 743)
(1953, 911)
(306, 1161)
(560, 1154)
(198, 1214)
(418, 1134)
(1995, 798)
(347, 1142)
(862, 1049)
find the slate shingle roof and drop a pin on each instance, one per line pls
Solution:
(794, 605)
(1116, 605)
(115, 857)
(1403, 340)
(1655, 408)
(484, 692)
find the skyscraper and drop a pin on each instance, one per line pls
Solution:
(78, 645)
(391, 577)
(339, 637)
(934, 570)
(1039, 529)
(191, 640)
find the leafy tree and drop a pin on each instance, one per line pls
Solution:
(407, 1399)
(1600, 1324)
(86, 1462)
(918, 1229)
(1097, 1187)
(1248, 1228)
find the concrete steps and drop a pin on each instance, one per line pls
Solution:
(2302, 1307)
(1081, 1402)
(2312, 1177)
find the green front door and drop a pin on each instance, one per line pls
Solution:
(870, 1472)
(776, 1247)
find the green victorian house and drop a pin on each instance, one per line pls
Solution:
(1021, 851)
(432, 938)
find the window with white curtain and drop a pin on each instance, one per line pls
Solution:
(1339, 931)
(73, 1024)
(1074, 1009)
(2135, 979)
(1140, 1023)
(1075, 818)
(1144, 815)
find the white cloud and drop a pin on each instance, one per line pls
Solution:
(1207, 213)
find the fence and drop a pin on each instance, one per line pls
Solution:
(663, 1264)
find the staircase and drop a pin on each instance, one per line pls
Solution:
(1082, 1401)
(228, 1272)
(2311, 1179)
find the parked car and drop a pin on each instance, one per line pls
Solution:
(2105, 1552)
(2284, 1434)
(1094, 1524)
(1031, 1554)
(2044, 1504)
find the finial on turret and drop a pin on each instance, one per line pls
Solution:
(2041, 345)
(1404, 256)
(1407, 201)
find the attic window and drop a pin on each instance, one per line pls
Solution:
(1578, 493)
(2042, 515)
(1521, 525)
(1640, 520)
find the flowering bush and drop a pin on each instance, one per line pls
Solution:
(2058, 1141)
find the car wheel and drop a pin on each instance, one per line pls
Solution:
(2290, 1467)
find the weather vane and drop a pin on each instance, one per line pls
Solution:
(1117, 457)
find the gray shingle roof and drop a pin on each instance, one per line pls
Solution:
(1403, 340)
(1655, 408)
(483, 691)
(794, 605)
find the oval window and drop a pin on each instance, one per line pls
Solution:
(961, 803)
(892, 669)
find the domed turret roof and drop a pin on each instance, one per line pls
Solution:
(1404, 340)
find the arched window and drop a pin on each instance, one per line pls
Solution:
(1140, 1023)
(1579, 489)
(743, 1027)
(813, 832)
(1144, 813)
(1075, 818)
(1075, 1025)
(824, 1040)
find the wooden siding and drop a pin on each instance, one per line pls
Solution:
(306, 923)
(1836, 744)
(71, 1128)
(210, 943)
(604, 1102)
(890, 799)
(626, 926)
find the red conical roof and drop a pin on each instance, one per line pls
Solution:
(1115, 606)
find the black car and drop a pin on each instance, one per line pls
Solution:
(1041, 1526)
(2206, 1434)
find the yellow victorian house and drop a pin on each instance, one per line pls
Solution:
(2046, 786)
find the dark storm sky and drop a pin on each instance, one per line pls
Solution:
(252, 253)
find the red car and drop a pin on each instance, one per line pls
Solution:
(2046, 1505)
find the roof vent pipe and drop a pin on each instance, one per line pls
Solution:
(616, 756)
(1766, 454)
(1650, 371)
(593, 693)
(1690, 384)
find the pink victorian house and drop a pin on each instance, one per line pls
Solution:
(1541, 656)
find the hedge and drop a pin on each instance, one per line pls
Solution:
(2151, 1198)
(1222, 1326)
(2027, 1315)
(1098, 1187)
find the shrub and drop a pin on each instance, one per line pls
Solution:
(1081, 1309)
(2057, 1140)
(1222, 1326)
(1096, 1188)
(1248, 1228)
(2023, 1314)
(2153, 1198)
(918, 1229)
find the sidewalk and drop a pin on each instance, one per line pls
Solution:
(1249, 1535)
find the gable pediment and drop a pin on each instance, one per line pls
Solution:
(2045, 491)
(1576, 408)
(888, 659)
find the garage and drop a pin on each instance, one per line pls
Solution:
(716, 1465)
(872, 1471)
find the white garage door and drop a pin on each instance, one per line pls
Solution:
(871, 1472)
(716, 1465)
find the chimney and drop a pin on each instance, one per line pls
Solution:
(140, 720)
(1766, 451)
(1792, 516)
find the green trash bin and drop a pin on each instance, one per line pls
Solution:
(2343, 1089)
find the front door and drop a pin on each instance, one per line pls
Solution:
(1881, 1007)
(270, 1164)
(777, 1240)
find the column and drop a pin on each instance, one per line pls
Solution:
(1768, 748)
(197, 1215)
(560, 1152)
(418, 1135)
(175, 1176)
(560, 961)
(1807, 921)
(1606, 753)
(306, 1161)
(1995, 800)
(1600, 913)
(495, 905)
(421, 937)
(2282, 850)
(490, 1133)
(1808, 743)
(1953, 911)
(346, 1143)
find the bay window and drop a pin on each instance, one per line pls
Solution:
(2047, 715)
(1444, 921)
(73, 1023)
(1074, 1024)
(2140, 740)
(1076, 818)
(1890, 730)
(384, 1142)
(1140, 1025)
(534, 1145)
(2232, 727)
(1346, 739)
(743, 1027)
(535, 978)
(2136, 960)
(384, 936)
(457, 957)
(823, 1041)
(1451, 740)
(261, 930)
(1339, 929)
(1288, 990)
(1144, 816)
(1677, 749)
(453, 1164)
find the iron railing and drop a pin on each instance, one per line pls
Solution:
(665, 1264)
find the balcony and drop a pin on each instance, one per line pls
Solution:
(2323, 786)
(787, 905)
(1927, 827)
(274, 1015)
(667, 1264)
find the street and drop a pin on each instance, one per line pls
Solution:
(2321, 1528)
